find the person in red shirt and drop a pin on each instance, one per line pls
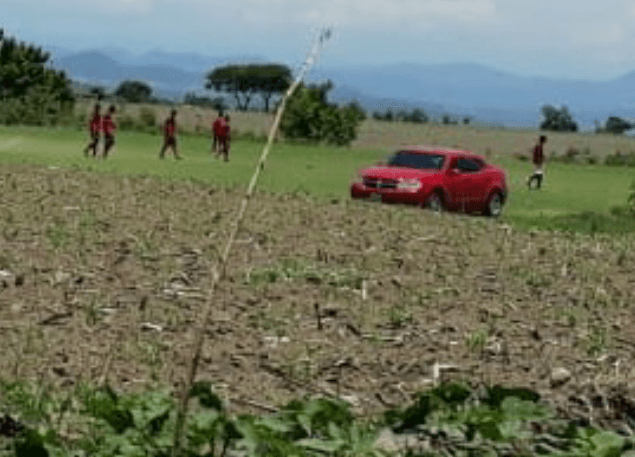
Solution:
(109, 127)
(216, 130)
(94, 128)
(169, 135)
(538, 159)
(224, 137)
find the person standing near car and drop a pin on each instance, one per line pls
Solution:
(109, 127)
(169, 136)
(95, 132)
(217, 126)
(538, 160)
(224, 138)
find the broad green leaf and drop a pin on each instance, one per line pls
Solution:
(205, 420)
(305, 423)
(206, 397)
(489, 430)
(336, 432)
(497, 394)
(607, 444)
(514, 407)
(315, 444)
(275, 424)
(513, 429)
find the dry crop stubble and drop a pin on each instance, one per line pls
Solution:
(397, 291)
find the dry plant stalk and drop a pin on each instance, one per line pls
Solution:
(218, 272)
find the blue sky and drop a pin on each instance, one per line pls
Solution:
(580, 39)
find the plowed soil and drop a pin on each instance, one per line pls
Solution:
(103, 277)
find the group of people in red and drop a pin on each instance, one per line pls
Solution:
(221, 134)
(99, 125)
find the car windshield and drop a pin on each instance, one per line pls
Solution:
(417, 160)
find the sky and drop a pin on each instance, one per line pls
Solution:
(559, 39)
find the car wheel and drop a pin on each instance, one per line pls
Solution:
(494, 206)
(435, 203)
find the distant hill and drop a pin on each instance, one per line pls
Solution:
(483, 93)
(98, 68)
(490, 94)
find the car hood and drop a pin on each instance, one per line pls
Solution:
(398, 172)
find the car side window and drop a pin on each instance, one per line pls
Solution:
(468, 165)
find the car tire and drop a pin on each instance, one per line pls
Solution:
(435, 202)
(494, 206)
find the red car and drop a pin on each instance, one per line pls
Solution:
(437, 178)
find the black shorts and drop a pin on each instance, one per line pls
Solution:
(170, 141)
(223, 141)
(109, 141)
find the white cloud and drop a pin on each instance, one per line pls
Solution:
(360, 13)
(594, 33)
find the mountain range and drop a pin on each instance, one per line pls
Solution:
(485, 94)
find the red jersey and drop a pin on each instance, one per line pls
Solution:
(95, 124)
(538, 155)
(226, 130)
(218, 126)
(170, 128)
(108, 125)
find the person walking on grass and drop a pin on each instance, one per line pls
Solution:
(94, 128)
(538, 159)
(216, 131)
(109, 127)
(169, 136)
(224, 138)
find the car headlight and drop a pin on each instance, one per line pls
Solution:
(409, 184)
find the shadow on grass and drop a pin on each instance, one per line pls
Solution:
(620, 220)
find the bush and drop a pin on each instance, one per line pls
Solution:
(309, 116)
(620, 160)
(127, 122)
(30, 91)
(572, 153)
(147, 117)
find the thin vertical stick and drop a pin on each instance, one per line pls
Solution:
(218, 273)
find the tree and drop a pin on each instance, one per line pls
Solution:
(418, 116)
(310, 116)
(617, 125)
(271, 79)
(557, 120)
(356, 107)
(245, 81)
(134, 91)
(216, 103)
(98, 91)
(402, 115)
(30, 91)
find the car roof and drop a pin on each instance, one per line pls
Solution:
(439, 150)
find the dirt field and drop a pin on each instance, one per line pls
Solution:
(102, 277)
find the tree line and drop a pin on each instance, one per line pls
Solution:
(30, 91)
(560, 120)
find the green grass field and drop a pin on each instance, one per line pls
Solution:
(575, 197)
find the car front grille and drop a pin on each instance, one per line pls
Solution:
(375, 183)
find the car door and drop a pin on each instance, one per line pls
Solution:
(476, 170)
(459, 185)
